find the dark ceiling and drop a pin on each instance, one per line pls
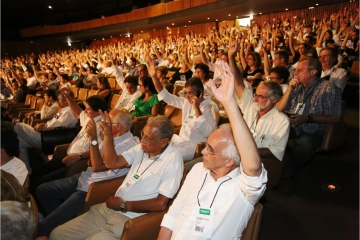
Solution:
(17, 14)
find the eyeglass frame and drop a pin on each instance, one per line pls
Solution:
(143, 136)
(260, 96)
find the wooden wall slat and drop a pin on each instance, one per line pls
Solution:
(137, 14)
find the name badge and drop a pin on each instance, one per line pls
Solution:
(190, 116)
(204, 222)
(131, 182)
(300, 108)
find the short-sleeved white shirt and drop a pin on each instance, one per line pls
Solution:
(159, 175)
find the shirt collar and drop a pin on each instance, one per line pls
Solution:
(122, 138)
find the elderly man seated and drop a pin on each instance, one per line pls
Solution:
(74, 188)
(218, 195)
(153, 179)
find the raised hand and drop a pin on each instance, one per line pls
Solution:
(234, 48)
(225, 92)
(90, 129)
(105, 124)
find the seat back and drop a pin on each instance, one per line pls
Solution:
(33, 102)
(177, 89)
(51, 138)
(174, 115)
(83, 94)
(112, 82)
(252, 230)
(170, 74)
(28, 99)
(274, 169)
(91, 93)
(199, 147)
(113, 100)
(75, 90)
(39, 104)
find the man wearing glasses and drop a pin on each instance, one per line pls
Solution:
(218, 195)
(199, 115)
(269, 127)
(74, 189)
(312, 103)
(338, 76)
(153, 179)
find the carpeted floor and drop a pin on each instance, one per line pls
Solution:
(300, 207)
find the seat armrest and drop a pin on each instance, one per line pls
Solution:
(60, 151)
(334, 136)
(148, 223)
(53, 137)
(100, 191)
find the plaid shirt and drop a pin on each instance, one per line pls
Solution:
(322, 98)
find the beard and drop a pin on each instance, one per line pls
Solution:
(258, 107)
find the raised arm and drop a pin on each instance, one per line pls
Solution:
(291, 42)
(96, 160)
(242, 57)
(74, 107)
(239, 82)
(152, 73)
(111, 159)
(250, 158)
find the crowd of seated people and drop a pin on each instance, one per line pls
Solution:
(287, 80)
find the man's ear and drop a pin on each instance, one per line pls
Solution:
(313, 72)
(230, 162)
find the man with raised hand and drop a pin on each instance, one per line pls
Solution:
(269, 127)
(218, 195)
(153, 179)
(199, 115)
(75, 188)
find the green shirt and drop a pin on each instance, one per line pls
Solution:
(144, 108)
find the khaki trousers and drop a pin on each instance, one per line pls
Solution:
(99, 222)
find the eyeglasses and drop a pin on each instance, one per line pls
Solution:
(209, 151)
(145, 138)
(260, 96)
(323, 56)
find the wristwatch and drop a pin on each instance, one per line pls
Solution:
(122, 207)
(94, 142)
(309, 119)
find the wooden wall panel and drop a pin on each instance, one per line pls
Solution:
(137, 14)
(17, 48)
(309, 14)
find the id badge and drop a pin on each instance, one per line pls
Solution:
(191, 116)
(131, 182)
(300, 108)
(253, 132)
(204, 222)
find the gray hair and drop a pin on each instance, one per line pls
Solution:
(275, 90)
(164, 126)
(16, 220)
(231, 150)
(123, 117)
